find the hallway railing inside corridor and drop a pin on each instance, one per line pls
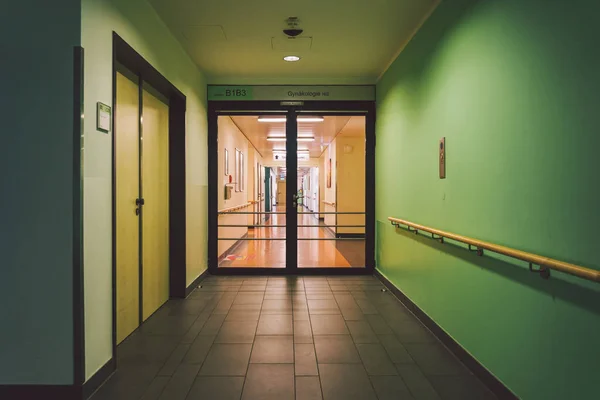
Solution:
(545, 263)
(233, 211)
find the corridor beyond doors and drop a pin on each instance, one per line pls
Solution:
(262, 338)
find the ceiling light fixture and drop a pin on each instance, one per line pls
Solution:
(276, 139)
(272, 119)
(291, 58)
(306, 139)
(311, 119)
(284, 119)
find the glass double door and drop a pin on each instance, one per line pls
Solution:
(292, 190)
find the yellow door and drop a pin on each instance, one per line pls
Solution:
(155, 191)
(126, 192)
(281, 188)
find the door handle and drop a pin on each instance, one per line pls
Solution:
(139, 202)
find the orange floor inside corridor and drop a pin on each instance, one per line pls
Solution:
(270, 252)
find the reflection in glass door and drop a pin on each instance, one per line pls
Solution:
(331, 182)
(252, 184)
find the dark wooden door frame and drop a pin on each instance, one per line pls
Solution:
(125, 55)
(332, 108)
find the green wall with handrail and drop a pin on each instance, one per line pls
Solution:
(514, 87)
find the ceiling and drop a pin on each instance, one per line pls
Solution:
(323, 132)
(241, 41)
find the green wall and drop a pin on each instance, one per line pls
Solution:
(514, 86)
(36, 190)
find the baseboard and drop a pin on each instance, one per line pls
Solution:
(196, 283)
(232, 247)
(62, 392)
(350, 235)
(98, 379)
(488, 379)
(18, 392)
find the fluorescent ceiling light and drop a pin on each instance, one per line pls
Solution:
(276, 139)
(306, 139)
(283, 139)
(305, 135)
(272, 119)
(311, 119)
(284, 119)
(278, 149)
(291, 58)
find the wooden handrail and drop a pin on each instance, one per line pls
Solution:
(232, 209)
(545, 263)
(327, 203)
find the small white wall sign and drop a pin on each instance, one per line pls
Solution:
(103, 118)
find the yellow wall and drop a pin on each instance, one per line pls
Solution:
(231, 138)
(139, 25)
(350, 182)
(330, 193)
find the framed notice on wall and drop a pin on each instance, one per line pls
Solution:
(103, 117)
(329, 173)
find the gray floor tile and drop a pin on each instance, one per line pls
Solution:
(412, 332)
(237, 332)
(378, 324)
(176, 325)
(277, 305)
(198, 350)
(435, 359)
(390, 388)
(367, 307)
(305, 360)
(460, 387)
(419, 386)
(375, 359)
(319, 296)
(245, 307)
(273, 350)
(302, 332)
(248, 298)
(328, 325)
(128, 383)
(196, 327)
(174, 360)
(180, 383)
(213, 324)
(155, 389)
(243, 316)
(301, 315)
(361, 332)
(308, 388)
(217, 388)
(336, 349)
(186, 307)
(227, 360)
(395, 349)
(275, 325)
(269, 382)
(345, 382)
(322, 305)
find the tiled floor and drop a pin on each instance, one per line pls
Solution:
(259, 338)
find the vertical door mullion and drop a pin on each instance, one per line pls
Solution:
(291, 191)
(141, 196)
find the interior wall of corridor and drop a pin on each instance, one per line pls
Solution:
(37, 193)
(139, 25)
(513, 86)
(232, 139)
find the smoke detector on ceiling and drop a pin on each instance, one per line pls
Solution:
(293, 30)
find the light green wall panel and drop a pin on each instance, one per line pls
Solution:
(513, 86)
(140, 26)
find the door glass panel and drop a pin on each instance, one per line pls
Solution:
(252, 183)
(331, 191)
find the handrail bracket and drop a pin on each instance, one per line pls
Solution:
(544, 272)
(479, 250)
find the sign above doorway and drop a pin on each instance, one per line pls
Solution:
(288, 93)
